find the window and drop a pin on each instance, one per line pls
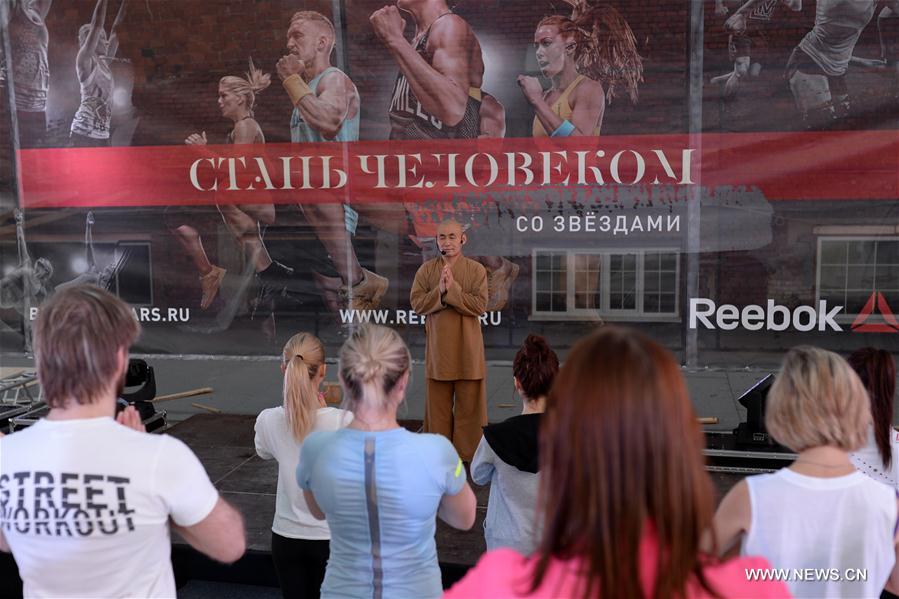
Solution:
(659, 283)
(552, 275)
(851, 269)
(586, 283)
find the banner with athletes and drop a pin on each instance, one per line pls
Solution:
(239, 171)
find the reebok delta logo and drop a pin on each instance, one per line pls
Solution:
(889, 324)
(774, 317)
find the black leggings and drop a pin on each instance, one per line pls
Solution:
(300, 565)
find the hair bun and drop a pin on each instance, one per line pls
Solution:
(370, 369)
(536, 344)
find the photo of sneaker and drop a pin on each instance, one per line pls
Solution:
(210, 282)
(499, 282)
(366, 294)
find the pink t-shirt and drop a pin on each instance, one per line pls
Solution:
(505, 574)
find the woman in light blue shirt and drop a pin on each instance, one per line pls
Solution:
(379, 485)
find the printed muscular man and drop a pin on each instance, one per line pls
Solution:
(437, 95)
(326, 107)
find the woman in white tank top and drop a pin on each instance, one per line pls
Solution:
(300, 542)
(827, 529)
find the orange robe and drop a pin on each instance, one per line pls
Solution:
(455, 345)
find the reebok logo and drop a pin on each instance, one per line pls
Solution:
(889, 324)
(772, 317)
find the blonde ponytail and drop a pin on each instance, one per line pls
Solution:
(255, 82)
(303, 355)
(257, 79)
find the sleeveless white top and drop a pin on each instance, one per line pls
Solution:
(95, 113)
(868, 461)
(838, 526)
(29, 40)
(838, 25)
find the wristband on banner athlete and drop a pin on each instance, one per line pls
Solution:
(350, 219)
(296, 88)
(563, 130)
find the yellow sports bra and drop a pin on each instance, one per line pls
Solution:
(562, 108)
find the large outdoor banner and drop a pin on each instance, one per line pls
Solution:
(722, 174)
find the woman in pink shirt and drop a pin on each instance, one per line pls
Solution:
(624, 495)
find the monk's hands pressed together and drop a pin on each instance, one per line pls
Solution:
(446, 279)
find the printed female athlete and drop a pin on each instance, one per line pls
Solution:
(589, 58)
(237, 96)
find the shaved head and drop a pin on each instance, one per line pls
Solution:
(450, 225)
(450, 238)
(319, 23)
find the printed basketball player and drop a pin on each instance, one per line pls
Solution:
(888, 35)
(817, 68)
(91, 123)
(748, 40)
(94, 275)
(29, 42)
(28, 284)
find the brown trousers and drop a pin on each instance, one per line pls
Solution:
(461, 420)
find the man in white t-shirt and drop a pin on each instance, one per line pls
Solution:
(85, 499)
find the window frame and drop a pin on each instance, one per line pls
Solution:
(604, 311)
(844, 317)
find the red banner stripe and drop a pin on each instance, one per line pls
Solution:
(836, 165)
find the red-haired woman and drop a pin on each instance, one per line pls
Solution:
(624, 496)
(588, 57)
(877, 458)
(507, 456)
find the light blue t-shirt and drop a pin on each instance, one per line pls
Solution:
(300, 131)
(382, 544)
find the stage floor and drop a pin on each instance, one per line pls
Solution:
(224, 444)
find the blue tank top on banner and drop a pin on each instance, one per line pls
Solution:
(300, 131)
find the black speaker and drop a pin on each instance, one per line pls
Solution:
(140, 388)
(752, 434)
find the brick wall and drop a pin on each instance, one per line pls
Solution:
(179, 50)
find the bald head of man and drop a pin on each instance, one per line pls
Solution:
(450, 239)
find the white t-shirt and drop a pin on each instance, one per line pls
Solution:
(274, 440)
(841, 527)
(85, 504)
(868, 460)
